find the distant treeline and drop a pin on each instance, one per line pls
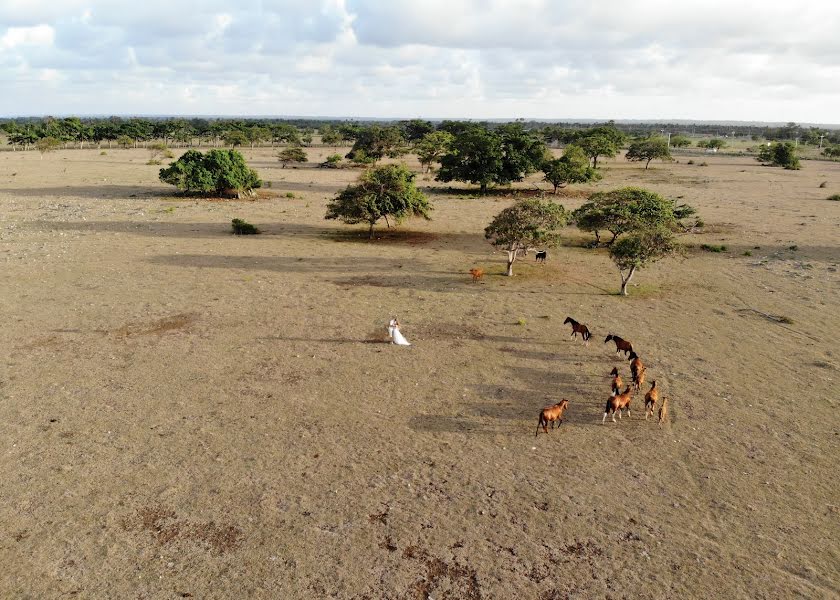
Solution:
(127, 132)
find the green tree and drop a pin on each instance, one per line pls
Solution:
(47, 144)
(832, 151)
(293, 154)
(431, 147)
(597, 145)
(712, 144)
(528, 224)
(221, 172)
(384, 192)
(780, 154)
(330, 136)
(374, 142)
(485, 157)
(639, 249)
(623, 210)
(647, 150)
(680, 141)
(572, 167)
(235, 137)
(416, 129)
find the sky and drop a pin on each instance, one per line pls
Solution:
(768, 60)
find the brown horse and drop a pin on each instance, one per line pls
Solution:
(579, 328)
(616, 382)
(621, 345)
(550, 414)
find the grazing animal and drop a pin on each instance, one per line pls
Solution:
(476, 273)
(579, 328)
(621, 345)
(541, 256)
(663, 411)
(616, 382)
(551, 414)
(651, 398)
(616, 402)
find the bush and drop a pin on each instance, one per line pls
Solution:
(834, 197)
(713, 248)
(152, 161)
(690, 162)
(824, 184)
(704, 164)
(103, 153)
(241, 227)
(219, 171)
(779, 155)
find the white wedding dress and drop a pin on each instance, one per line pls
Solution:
(396, 336)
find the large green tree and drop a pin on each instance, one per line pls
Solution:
(382, 192)
(217, 172)
(640, 248)
(647, 150)
(623, 210)
(528, 224)
(572, 167)
(375, 142)
(484, 157)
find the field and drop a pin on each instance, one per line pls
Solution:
(185, 413)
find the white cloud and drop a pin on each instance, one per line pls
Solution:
(437, 58)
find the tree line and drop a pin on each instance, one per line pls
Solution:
(134, 131)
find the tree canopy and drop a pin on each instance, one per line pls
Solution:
(528, 224)
(572, 167)
(639, 249)
(623, 210)
(218, 171)
(680, 141)
(374, 142)
(383, 192)
(781, 154)
(712, 144)
(484, 157)
(432, 146)
(647, 150)
(293, 154)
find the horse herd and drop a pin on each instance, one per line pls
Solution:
(618, 400)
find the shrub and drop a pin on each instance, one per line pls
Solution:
(704, 164)
(290, 195)
(152, 161)
(713, 248)
(747, 253)
(690, 162)
(103, 153)
(824, 184)
(779, 155)
(241, 227)
(794, 247)
(834, 197)
(218, 171)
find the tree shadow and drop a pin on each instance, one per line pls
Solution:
(105, 191)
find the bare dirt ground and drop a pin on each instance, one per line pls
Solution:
(189, 414)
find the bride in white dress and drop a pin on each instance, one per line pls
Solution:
(396, 336)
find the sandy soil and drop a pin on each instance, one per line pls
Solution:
(185, 413)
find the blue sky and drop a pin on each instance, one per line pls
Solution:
(645, 59)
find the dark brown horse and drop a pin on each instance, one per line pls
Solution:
(579, 328)
(621, 345)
